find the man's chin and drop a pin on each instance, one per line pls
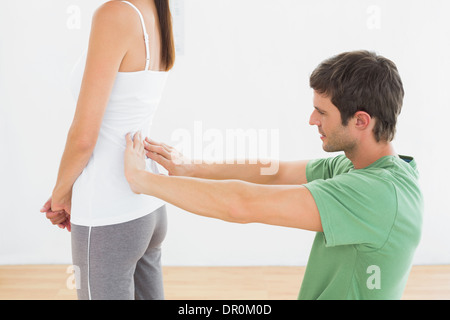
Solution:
(325, 147)
(328, 148)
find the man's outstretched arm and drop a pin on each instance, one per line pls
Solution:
(271, 172)
(228, 200)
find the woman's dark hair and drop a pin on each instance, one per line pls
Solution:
(362, 81)
(167, 39)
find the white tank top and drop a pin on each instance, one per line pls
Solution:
(101, 194)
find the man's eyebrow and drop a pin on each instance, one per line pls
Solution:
(318, 109)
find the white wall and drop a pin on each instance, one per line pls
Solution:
(241, 64)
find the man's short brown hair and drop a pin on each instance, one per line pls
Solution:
(362, 81)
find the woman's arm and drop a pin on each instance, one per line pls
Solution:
(108, 45)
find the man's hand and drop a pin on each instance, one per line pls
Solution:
(168, 157)
(134, 159)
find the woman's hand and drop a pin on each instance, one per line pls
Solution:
(60, 218)
(168, 157)
(134, 160)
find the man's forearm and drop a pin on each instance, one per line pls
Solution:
(222, 196)
(208, 198)
(233, 200)
(254, 172)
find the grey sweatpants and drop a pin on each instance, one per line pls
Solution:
(122, 261)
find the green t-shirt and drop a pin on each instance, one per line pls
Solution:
(371, 220)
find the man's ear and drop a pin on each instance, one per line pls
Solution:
(363, 120)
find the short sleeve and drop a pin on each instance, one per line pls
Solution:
(327, 168)
(355, 209)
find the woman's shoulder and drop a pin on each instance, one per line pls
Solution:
(114, 12)
(110, 6)
(112, 20)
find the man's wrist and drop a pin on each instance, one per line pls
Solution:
(139, 181)
(142, 182)
(194, 170)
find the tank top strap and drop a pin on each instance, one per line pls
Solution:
(147, 47)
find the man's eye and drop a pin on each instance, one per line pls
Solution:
(319, 111)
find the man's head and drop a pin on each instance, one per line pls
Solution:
(367, 91)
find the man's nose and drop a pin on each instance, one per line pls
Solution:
(313, 120)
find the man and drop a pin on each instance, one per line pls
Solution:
(365, 205)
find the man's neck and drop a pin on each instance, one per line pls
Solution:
(364, 156)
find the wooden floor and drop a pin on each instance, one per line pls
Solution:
(55, 282)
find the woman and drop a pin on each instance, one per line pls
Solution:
(116, 234)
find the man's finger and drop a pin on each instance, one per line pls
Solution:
(167, 147)
(161, 144)
(129, 140)
(159, 150)
(151, 141)
(140, 145)
(159, 159)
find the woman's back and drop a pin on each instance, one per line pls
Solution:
(101, 194)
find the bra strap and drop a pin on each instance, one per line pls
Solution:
(147, 47)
